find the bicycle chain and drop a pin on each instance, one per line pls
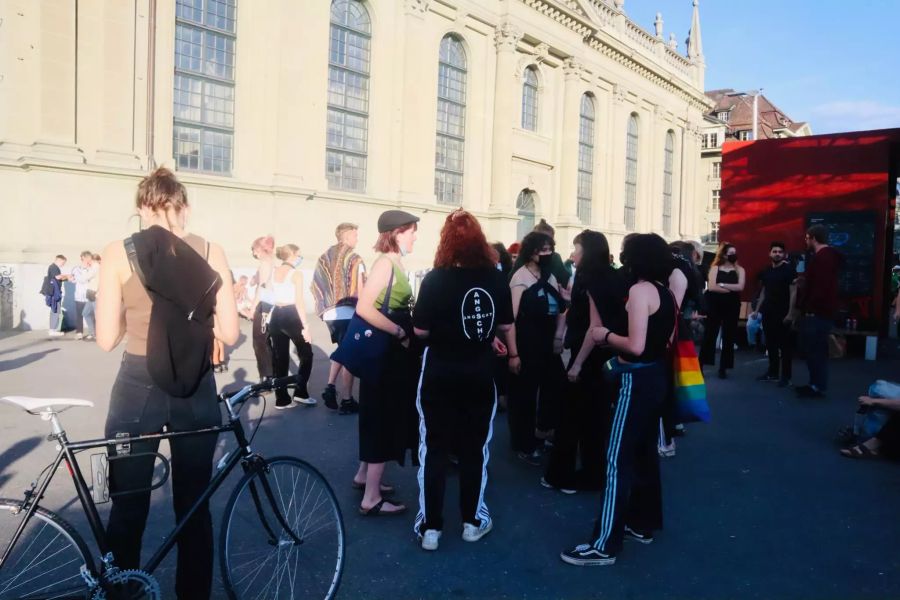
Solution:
(129, 584)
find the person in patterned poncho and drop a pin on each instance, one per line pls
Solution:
(337, 280)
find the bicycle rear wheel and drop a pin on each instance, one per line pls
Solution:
(259, 557)
(47, 559)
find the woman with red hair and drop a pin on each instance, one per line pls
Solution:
(463, 302)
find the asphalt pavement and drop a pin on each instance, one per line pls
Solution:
(758, 503)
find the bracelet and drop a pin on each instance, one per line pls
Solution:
(606, 337)
(401, 333)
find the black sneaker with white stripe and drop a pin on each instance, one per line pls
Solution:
(585, 555)
(638, 536)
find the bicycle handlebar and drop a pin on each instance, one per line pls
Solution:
(266, 385)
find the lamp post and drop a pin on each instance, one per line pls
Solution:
(755, 94)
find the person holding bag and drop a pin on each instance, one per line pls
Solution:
(158, 276)
(387, 416)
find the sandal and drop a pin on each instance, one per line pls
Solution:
(376, 510)
(860, 451)
(385, 488)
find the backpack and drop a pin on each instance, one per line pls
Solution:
(179, 340)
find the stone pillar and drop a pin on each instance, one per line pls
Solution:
(568, 171)
(618, 138)
(505, 38)
(418, 114)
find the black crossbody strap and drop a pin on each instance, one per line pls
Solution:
(133, 260)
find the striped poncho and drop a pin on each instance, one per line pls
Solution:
(336, 278)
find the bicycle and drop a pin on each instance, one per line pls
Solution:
(282, 533)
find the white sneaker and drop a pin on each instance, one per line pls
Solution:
(430, 539)
(471, 533)
(55, 333)
(306, 401)
(79, 336)
(666, 451)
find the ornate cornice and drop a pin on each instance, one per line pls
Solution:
(572, 68)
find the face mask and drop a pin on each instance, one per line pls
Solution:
(544, 260)
(298, 262)
(732, 258)
(403, 251)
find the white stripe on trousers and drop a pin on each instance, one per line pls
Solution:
(423, 449)
(482, 512)
(612, 461)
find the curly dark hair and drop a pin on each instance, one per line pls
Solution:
(647, 257)
(463, 244)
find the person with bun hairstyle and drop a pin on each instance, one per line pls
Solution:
(464, 302)
(263, 250)
(181, 265)
(387, 414)
(288, 324)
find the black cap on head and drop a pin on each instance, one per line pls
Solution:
(392, 219)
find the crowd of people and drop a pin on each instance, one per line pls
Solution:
(488, 323)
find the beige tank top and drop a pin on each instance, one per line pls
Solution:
(137, 303)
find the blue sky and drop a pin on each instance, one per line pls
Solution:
(833, 63)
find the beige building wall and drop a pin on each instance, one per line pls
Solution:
(86, 108)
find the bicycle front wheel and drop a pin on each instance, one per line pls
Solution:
(46, 561)
(282, 534)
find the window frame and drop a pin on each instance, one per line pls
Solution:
(584, 201)
(632, 141)
(530, 112)
(444, 137)
(668, 181)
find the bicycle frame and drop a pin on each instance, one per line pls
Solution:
(66, 453)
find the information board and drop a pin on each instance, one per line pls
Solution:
(853, 235)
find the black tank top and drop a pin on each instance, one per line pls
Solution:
(660, 326)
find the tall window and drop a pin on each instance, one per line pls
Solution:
(668, 169)
(525, 208)
(585, 158)
(717, 170)
(530, 99)
(714, 232)
(714, 204)
(203, 125)
(449, 153)
(631, 167)
(348, 96)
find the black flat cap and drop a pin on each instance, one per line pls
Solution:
(392, 219)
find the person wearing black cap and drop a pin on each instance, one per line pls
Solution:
(387, 414)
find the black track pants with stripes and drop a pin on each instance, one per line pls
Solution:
(633, 494)
(456, 402)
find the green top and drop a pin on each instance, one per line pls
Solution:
(401, 291)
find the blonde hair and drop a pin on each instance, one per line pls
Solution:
(344, 228)
(283, 252)
(161, 191)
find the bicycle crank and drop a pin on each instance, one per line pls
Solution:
(131, 584)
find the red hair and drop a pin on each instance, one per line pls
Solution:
(387, 241)
(463, 243)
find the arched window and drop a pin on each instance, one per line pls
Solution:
(668, 169)
(525, 207)
(631, 172)
(585, 158)
(449, 153)
(348, 96)
(530, 99)
(203, 107)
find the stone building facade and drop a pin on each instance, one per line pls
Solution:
(290, 116)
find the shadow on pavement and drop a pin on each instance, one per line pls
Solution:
(15, 363)
(13, 453)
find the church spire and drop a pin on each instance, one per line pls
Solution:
(694, 41)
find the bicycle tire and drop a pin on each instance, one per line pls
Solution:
(246, 544)
(68, 549)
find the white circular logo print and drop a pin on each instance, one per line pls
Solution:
(477, 314)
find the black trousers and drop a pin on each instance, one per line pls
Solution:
(285, 327)
(79, 316)
(261, 347)
(723, 314)
(457, 402)
(534, 399)
(583, 428)
(633, 494)
(779, 345)
(138, 406)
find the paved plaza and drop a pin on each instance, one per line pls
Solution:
(758, 503)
